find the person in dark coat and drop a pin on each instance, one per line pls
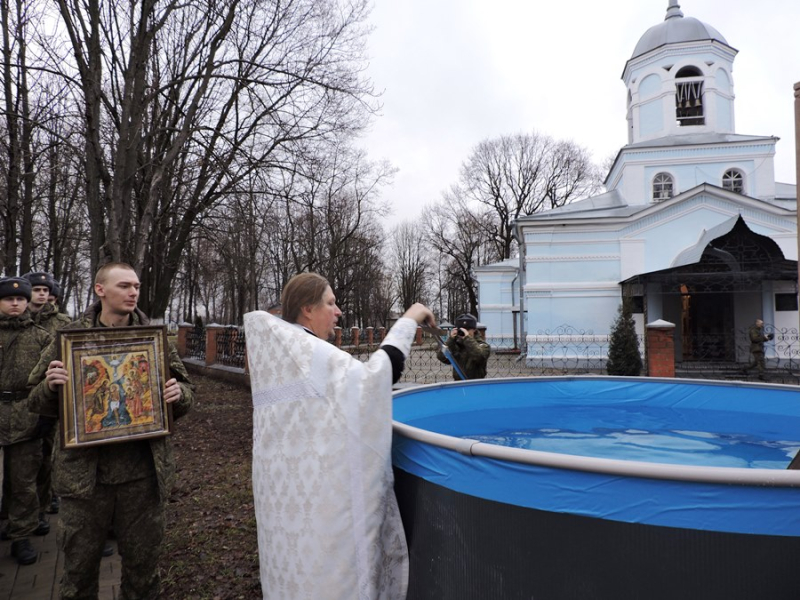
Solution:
(124, 485)
(21, 344)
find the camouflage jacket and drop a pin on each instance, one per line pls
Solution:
(757, 338)
(50, 319)
(76, 471)
(21, 344)
(471, 354)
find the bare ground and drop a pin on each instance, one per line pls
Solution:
(211, 552)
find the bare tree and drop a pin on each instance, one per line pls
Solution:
(410, 267)
(518, 175)
(459, 236)
(182, 103)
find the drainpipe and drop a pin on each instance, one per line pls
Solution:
(513, 315)
(797, 163)
(523, 333)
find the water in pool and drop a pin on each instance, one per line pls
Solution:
(645, 434)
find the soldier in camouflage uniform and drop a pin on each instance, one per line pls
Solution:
(45, 315)
(124, 484)
(21, 344)
(468, 348)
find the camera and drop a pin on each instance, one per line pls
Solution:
(460, 332)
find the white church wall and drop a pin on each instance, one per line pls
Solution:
(724, 113)
(497, 302)
(548, 270)
(787, 242)
(632, 257)
(583, 308)
(786, 325)
(651, 118)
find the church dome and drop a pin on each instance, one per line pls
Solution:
(676, 29)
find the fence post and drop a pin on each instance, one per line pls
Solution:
(370, 336)
(660, 342)
(418, 337)
(211, 342)
(183, 335)
(355, 332)
(338, 340)
(381, 334)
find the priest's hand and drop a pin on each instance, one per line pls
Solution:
(421, 314)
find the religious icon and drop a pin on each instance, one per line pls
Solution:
(116, 391)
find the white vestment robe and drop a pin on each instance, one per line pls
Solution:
(328, 523)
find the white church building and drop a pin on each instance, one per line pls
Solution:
(693, 226)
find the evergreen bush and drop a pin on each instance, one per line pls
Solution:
(623, 347)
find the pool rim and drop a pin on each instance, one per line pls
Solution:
(590, 464)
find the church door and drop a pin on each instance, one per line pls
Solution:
(707, 327)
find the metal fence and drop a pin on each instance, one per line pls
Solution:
(231, 347)
(196, 343)
(725, 356)
(561, 351)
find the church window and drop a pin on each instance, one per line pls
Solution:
(785, 302)
(733, 180)
(689, 97)
(662, 187)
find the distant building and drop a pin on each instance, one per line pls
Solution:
(693, 226)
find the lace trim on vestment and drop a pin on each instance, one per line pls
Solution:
(298, 390)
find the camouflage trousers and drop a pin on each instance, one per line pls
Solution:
(757, 361)
(20, 465)
(135, 512)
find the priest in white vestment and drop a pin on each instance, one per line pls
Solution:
(328, 523)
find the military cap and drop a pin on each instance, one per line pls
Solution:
(55, 289)
(467, 321)
(40, 279)
(15, 286)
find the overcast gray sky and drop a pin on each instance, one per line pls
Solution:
(454, 72)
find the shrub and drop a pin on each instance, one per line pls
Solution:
(623, 347)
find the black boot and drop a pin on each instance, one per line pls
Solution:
(23, 552)
(108, 549)
(44, 526)
(55, 504)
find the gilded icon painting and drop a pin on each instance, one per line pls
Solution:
(115, 392)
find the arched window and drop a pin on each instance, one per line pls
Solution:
(662, 187)
(689, 97)
(733, 180)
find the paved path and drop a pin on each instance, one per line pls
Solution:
(39, 581)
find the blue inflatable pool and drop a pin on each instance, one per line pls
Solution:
(599, 487)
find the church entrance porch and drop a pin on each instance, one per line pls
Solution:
(716, 292)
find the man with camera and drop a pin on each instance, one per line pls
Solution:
(757, 339)
(468, 348)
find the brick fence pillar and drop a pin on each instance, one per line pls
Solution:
(211, 342)
(381, 334)
(660, 340)
(370, 336)
(338, 339)
(418, 337)
(183, 335)
(355, 332)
